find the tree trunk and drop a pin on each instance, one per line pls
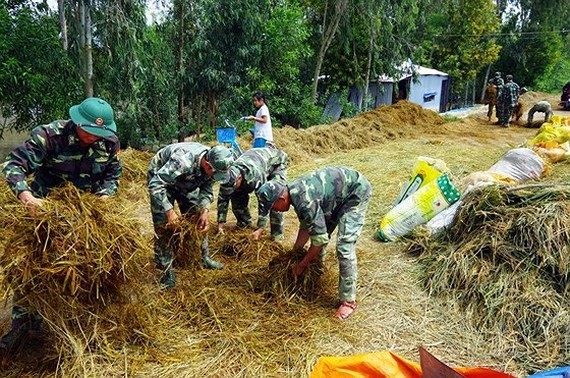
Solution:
(62, 23)
(180, 63)
(368, 67)
(86, 40)
(485, 82)
(329, 32)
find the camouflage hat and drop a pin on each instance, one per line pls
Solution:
(497, 74)
(267, 194)
(221, 159)
(94, 116)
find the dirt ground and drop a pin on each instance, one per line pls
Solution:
(395, 313)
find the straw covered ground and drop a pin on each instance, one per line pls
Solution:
(249, 320)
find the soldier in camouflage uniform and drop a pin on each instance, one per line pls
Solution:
(324, 199)
(499, 83)
(491, 98)
(183, 173)
(251, 170)
(83, 151)
(508, 98)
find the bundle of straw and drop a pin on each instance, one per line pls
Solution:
(71, 261)
(279, 282)
(505, 258)
(185, 241)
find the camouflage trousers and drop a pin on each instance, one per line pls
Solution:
(505, 113)
(350, 223)
(240, 208)
(188, 205)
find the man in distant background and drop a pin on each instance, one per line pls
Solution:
(507, 99)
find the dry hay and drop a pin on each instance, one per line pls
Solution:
(135, 165)
(185, 242)
(375, 127)
(280, 283)
(75, 263)
(239, 243)
(505, 258)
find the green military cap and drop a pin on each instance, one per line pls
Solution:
(221, 159)
(228, 183)
(268, 194)
(95, 116)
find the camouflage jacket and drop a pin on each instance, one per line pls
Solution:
(176, 168)
(54, 155)
(257, 166)
(319, 199)
(509, 94)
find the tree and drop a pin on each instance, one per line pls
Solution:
(37, 80)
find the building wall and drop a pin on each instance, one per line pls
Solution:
(427, 92)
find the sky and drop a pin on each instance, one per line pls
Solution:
(154, 8)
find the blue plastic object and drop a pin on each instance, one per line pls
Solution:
(561, 372)
(226, 134)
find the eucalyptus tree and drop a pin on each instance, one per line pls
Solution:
(374, 39)
(37, 80)
(220, 41)
(327, 14)
(535, 36)
(461, 37)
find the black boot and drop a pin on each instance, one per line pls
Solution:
(19, 329)
(208, 262)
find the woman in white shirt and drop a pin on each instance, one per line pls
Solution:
(262, 133)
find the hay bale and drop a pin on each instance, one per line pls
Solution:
(505, 258)
(71, 261)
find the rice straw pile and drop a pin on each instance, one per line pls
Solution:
(135, 165)
(371, 128)
(74, 261)
(238, 243)
(279, 282)
(505, 258)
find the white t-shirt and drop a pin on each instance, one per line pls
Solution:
(263, 130)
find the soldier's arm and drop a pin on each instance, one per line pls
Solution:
(111, 175)
(25, 160)
(206, 195)
(223, 205)
(163, 178)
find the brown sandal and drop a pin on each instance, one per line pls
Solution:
(345, 310)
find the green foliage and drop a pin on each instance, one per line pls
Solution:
(37, 81)
(557, 73)
(462, 44)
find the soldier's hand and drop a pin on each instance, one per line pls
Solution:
(103, 197)
(221, 228)
(203, 220)
(257, 234)
(171, 218)
(298, 269)
(30, 202)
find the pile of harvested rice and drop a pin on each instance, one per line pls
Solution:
(135, 165)
(367, 129)
(73, 261)
(505, 258)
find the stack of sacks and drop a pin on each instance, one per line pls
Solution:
(552, 138)
(515, 166)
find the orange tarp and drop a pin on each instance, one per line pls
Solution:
(385, 365)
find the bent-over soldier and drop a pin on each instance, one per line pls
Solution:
(324, 200)
(250, 171)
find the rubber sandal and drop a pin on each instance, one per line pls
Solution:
(345, 310)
